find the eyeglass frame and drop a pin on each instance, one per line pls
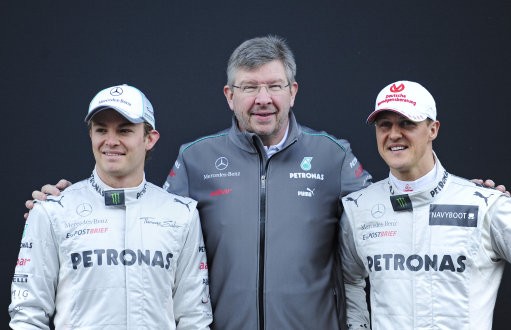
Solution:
(259, 86)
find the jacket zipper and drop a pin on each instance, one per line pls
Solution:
(262, 236)
(262, 232)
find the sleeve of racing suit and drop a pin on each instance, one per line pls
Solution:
(353, 175)
(500, 228)
(177, 180)
(354, 273)
(35, 280)
(192, 306)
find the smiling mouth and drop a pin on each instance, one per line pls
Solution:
(106, 153)
(397, 148)
(263, 114)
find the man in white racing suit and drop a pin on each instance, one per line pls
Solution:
(433, 245)
(113, 251)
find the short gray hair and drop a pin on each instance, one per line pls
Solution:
(256, 52)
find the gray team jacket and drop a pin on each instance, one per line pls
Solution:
(270, 225)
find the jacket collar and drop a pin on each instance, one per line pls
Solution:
(128, 194)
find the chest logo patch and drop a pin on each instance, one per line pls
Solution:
(306, 163)
(401, 203)
(453, 215)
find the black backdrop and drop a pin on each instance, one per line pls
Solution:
(56, 55)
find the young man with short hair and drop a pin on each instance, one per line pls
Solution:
(113, 251)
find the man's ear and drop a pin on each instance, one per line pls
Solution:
(433, 129)
(151, 139)
(229, 94)
(294, 90)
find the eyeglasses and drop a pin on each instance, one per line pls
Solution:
(272, 89)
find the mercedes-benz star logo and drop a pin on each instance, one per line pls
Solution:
(116, 91)
(378, 211)
(221, 163)
(84, 209)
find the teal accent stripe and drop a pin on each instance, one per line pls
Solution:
(204, 138)
(328, 136)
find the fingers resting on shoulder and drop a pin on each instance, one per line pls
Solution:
(491, 184)
(47, 189)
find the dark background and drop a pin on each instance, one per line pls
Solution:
(56, 55)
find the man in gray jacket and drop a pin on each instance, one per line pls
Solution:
(269, 198)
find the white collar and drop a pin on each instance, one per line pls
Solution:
(277, 147)
(407, 187)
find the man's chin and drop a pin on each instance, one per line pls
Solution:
(397, 165)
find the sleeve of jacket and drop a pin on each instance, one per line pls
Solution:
(35, 280)
(192, 306)
(500, 228)
(177, 180)
(357, 314)
(353, 175)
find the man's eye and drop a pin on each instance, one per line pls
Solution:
(383, 124)
(275, 88)
(407, 123)
(249, 88)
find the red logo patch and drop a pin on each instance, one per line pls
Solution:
(397, 89)
(220, 192)
(359, 170)
(22, 261)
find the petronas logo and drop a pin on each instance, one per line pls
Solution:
(306, 163)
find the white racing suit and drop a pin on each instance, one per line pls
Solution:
(434, 258)
(112, 259)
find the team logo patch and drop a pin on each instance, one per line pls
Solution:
(354, 200)
(307, 193)
(401, 203)
(306, 163)
(453, 215)
(485, 198)
(397, 89)
(114, 197)
(221, 163)
(20, 278)
(378, 211)
(84, 209)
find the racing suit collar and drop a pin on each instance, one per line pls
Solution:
(130, 195)
(430, 192)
